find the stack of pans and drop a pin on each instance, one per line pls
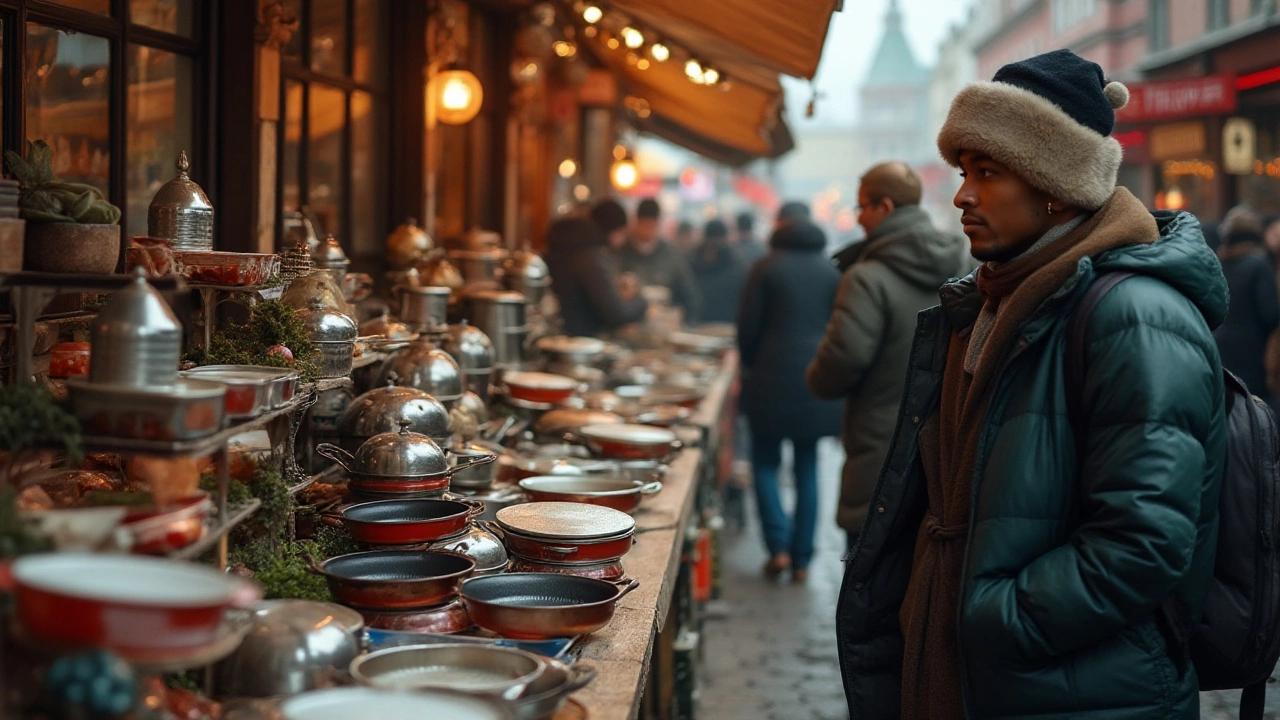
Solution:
(398, 465)
(426, 524)
(406, 590)
(567, 538)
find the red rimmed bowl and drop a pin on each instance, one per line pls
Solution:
(539, 387)
(157, 531)
(123, 602)
(628, 442)
(619, 493)
(406, 522)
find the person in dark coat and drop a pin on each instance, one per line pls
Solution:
(584, 279)
(781, 319)
(747, 244)
(1022, 541)
(657, 262)
(1255, 309)
(720, 272)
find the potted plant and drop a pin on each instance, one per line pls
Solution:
(71, 228)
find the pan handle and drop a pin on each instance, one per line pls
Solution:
(475, 460)
(580, 675)
(493, 528)
(652, 488)
(572, 438)
(337, 454)
(625, 586)
(476, 507)
(315, 564)
(560, 550)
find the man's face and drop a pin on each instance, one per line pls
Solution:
(645, 234)
(1002, 215)
(618, 238)
(872, 211)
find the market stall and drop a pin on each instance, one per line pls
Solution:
(237, 500)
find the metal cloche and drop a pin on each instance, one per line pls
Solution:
(137, 340)
(181, 212)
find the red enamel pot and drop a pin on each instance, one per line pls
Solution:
(618, 493)
(562, 532)
(406, 522)
(627, 442)
(126, 603)
(539, 387)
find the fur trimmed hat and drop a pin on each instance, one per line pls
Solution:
(1048, 119)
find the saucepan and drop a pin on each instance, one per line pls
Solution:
(619, 493)
(480, 669)
(404, 522)
(626, 441)
(539, 387)
(562, 532)
(395, 579)
(538, 606)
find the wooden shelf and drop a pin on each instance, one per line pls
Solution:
(200, 446)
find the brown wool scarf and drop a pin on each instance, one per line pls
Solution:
(948, 441)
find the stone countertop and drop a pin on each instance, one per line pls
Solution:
(622, 650)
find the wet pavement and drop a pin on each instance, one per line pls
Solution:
(769, 651)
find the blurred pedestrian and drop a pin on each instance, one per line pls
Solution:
(783, 312)
(749, 247)
(1037, 546)
(686, 241)
(792, 212)
(584, 277)
(886, 280)
(1255, 309)
(720, 272)
(657, 262)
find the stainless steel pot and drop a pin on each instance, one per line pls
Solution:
(423, 306)
(330, 256)
(334, 334)
(425, 367)
(527, 273)
(391, 454)
(473, 477)
(501, 315)
(474, 353)
(480, 544)
(137, 340)
(292, 646)
(380, 409)
(479, 265)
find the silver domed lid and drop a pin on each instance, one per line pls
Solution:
(474, 404)
(136, 339)
(501, 297)
(527, 266)
(384, 326)
(327, 325)
(400, 454)
(329, 254)
(378, 411)
(181, 212)
(424, 366)
(469, 346)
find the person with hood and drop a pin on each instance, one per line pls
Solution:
(886, 280)
(657, 262)
(1255, 309)
(1019, 548)
(584, 279)
(720, 273)
(781, 317)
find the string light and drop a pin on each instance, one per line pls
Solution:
(564, 49)
(660, 52)
(613, 43)
(643, 63)
(568, 168)
(592, 14)
(693, 69)
(711, 76)
(632, 37)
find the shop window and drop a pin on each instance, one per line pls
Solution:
(1219, 14)
(1066, 14)
(334, 142)
(119, 129)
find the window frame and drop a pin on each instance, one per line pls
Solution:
(120, 32)
(381, 89)
(1157, 25)
(1217, 14)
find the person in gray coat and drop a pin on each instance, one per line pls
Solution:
(885, 281)
(657, 262)
(783, 311)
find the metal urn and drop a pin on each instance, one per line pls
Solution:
(181, 212)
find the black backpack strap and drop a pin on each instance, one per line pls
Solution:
(1253, 701)
(1077, 328)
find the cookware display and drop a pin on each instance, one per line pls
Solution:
(126, 603)
(398, 464)
(546, 694)
(538, 387)
(555, 423)
(350, 703)
(395, 579)
(381, 409)
(186, 409)
(609, 571)
(426, 367)
(538, 606)
(627, 442)
(479, 669)
(446, 619)
(407, 522)
(565, 532)
(251, 389)
(292, 646)
(661, 394)
(473, 475)
(619, 493)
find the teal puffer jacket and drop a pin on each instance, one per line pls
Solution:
(1070, 551)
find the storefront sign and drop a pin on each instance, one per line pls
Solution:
(1166, 100)
(1239, 146)
(1179, 140)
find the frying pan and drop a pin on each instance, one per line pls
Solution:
(537, 606)
(619, 493)
(405, 522)
(395, 579)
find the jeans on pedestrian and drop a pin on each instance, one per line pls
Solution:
(784, 533)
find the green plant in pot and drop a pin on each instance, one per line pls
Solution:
(71, 228)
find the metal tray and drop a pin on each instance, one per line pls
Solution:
(187, 410)
(254, 388)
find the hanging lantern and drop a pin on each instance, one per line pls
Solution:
(458, 96)
(624, 174)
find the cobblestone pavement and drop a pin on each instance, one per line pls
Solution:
(769, 648)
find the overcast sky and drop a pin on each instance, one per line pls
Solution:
(851, 42)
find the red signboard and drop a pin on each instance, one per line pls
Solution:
(1169, 99)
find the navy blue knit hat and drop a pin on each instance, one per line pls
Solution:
(1048, 118)
(609, 215)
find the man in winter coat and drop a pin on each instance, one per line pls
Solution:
(749, 247)
(1255, 310)
(584, 279)
(720, 272)
(657, 262)
(886, 280)
(1018, 551)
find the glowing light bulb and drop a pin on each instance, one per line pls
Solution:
(624, 174)
(694, 70)
(592, 14)
(568, 168)
(632, 37)
(660, 52)
(455, 95)
(711, 76)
